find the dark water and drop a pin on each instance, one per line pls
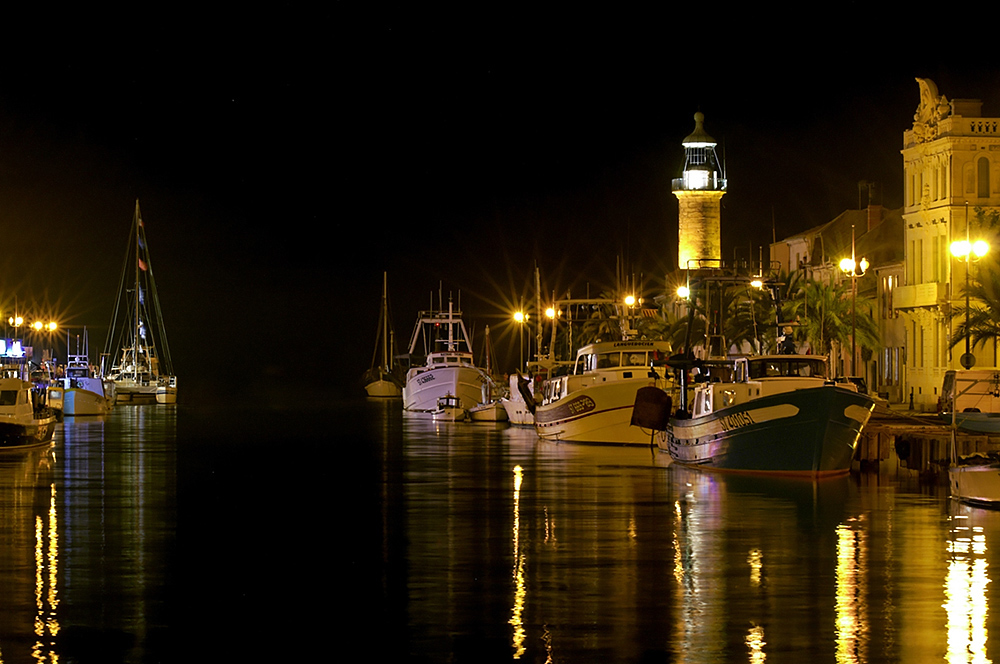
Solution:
(185, 533)
(489, 545)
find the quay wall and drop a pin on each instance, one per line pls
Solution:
(921, 445)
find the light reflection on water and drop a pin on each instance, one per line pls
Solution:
(512, 548)
(84, 527)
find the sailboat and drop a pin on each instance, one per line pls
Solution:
(136, 356)
(380, 380)
(490, 408)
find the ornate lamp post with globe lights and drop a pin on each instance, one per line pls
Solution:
(968, 253)
(853, 269)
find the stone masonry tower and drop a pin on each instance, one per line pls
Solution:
(699, 191)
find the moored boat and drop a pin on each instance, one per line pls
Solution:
(448, 369)
(976, 483)
(449, 409)
(767, 414)
(970, 400)
(381, 380)
(23, 422)
(136, 356)
(594, 404)
(84, 393)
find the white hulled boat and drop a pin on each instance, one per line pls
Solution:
(23, 423)
(136, 356)
(594, 404)
(380, 379)
(448, 369)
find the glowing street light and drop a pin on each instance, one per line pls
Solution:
(519, 318)
(968, 253)
(853, 269)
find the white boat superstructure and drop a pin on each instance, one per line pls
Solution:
(136, 355)
(594, 404)
(448, 370)
(83, 392)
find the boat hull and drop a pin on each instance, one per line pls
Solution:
(84, 402)
(518, 413)
(977, 484)
(383, 389)
(977, 422)
(810, 431)
(424, 388)
(488, 412)
(15, 435)
(599, 414)
(166, 395)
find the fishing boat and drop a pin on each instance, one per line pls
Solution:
(79, 391)
(439, 336)
(136, 356)
(380, 379)
(23, 421)
(594, 404)
(766, 414)
(449, 409)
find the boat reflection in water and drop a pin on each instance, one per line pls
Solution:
(966, 600)
(503, 545)
(30, 556)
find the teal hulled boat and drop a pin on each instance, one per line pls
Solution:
(768, 414)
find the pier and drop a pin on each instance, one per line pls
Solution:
(897, 439)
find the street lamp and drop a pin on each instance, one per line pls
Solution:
(519, 317)
(968, 252)
(853, 269)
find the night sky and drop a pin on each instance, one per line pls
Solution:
(284, 161)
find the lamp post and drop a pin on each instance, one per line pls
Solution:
(853, 269)
(519, 319)
(968, 252)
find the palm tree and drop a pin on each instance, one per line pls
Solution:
(982, 325)
(823, 313)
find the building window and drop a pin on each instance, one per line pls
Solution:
(983, 172)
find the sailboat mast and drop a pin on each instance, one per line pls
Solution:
(135, 329)
(385, 323)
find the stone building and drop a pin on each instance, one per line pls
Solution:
(951, 163)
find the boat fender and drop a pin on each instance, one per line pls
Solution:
(651, 409)
(522, 387)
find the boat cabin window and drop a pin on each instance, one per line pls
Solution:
(584, 363)
(609, 360)
(8, 397)
(797, 367)
(634, 359)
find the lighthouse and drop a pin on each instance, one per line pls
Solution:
(699, 192)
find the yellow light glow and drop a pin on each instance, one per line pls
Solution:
(37, 325)
(15, 320)
(683, 292)
(550, 312)
(864, 265)
(980, 248)
(630, 300)
(847, 265)
(519, 316)
(52, 326)
(757, 283)
(960, 249)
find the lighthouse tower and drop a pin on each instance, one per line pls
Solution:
(699, 191)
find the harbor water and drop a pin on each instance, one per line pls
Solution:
(489, 545)
(187, 533)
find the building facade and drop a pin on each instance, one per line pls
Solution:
(951, 170)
